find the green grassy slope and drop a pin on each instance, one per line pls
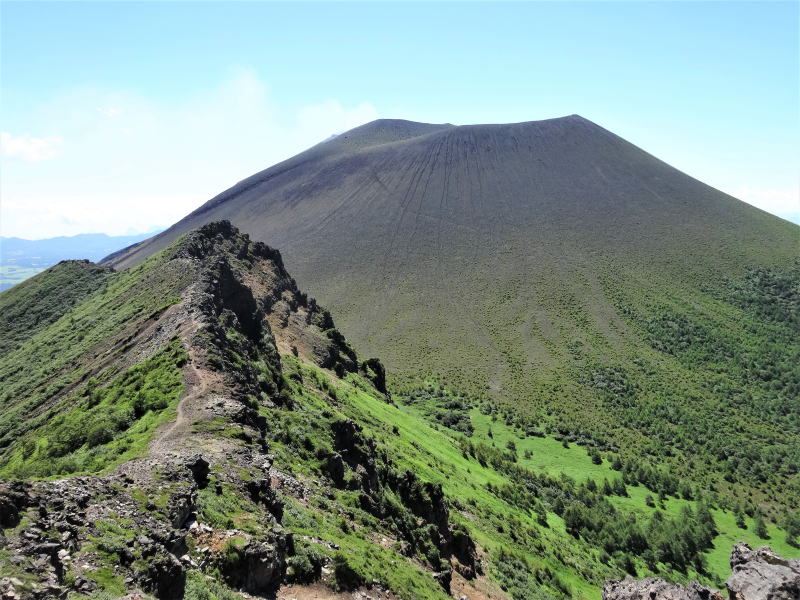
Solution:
(524, 533)
(83, 321)
(31, 307)
(103, 426)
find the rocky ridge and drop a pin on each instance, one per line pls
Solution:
(140, 528)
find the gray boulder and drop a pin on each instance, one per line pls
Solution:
(762, 575)
(757, 575)
(656, 589)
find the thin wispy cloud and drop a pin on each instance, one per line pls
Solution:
(109, 111)
(29, 148)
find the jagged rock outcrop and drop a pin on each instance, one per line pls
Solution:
(656, 589)
(61, 517)
(256, 567)
(421, 520)
(373, 369)
(762, 575)
(757, 575)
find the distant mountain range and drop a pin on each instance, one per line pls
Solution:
(21, 258)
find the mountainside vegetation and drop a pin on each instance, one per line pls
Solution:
(32, 306)
(196, 426)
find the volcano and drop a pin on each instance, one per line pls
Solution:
(483, 251)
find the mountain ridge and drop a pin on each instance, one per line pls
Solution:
(199, 375)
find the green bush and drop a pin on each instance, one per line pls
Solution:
(200, 587)
(105, 423)
(305, 566)
(345, 577)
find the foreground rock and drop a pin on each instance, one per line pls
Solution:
(762, 575)
(656, 589)
(757, 575)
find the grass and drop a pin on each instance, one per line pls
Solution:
(546, 453)
(360, 551)
(109, 583)
(432, 453)
(107, 425)
(201, 587)
(730, 534)
(62, 356)
(550, 456)
(9, 569)
(227, 509)
(29, 308)
(90, 338)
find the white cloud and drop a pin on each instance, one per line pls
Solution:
(109, 111)
(29, 148)
(781, 201)
(156, 160)
(48, 216)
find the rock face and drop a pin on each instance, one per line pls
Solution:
(656, 589)
(762, 575)
(421, 521)
(757, 575)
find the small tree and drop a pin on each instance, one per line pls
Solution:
(740, 522)
(760, 527)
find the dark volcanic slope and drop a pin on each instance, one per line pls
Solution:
(475, 247)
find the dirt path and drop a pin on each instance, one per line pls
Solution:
(200, 382)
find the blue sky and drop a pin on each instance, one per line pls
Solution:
(121, 116)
